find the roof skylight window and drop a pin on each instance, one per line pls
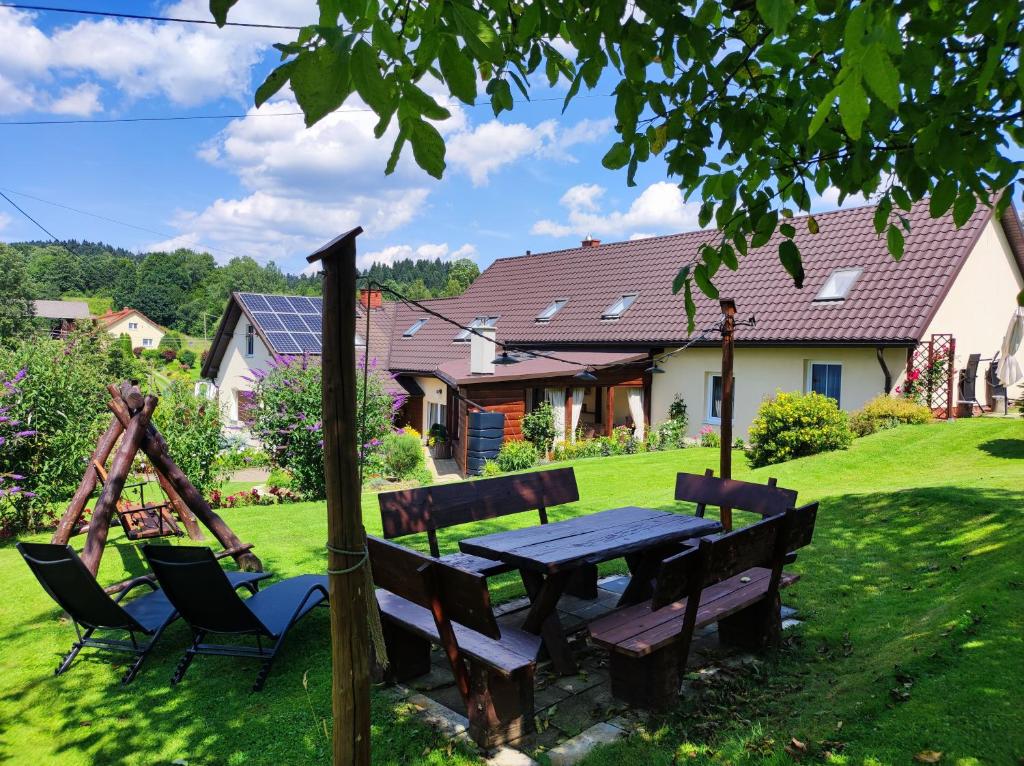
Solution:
(838, 285)
(618, 308)
(360, 341)
(554, 307)
(464, 335)
(414, 328)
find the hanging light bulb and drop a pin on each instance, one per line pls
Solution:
(586, 375)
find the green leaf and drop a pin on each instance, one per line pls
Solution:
(882, 77)
(787, 230)
(942, 196)
(700, 276)
(899, 194)
(274, 82)
(321, 81)
(894, 241)
(501, 96)
(691, 308)
(424, 103)
(882, 211)
(477, 33)
(777, 13)
(396, 152)
(427, 147)
(964, 208)
(789, 254)
(457, 70)
(680, 280)
(729, 257)
(812, 225)
(660, 138)
(385, 38)
(573, 90)
(853, 105)
(219, 9)
(617, 156)
(369, 82)
(329, 12)
(712, 259)
(822, 112)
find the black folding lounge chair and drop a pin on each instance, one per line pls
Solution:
(195, 585)
(68, 582)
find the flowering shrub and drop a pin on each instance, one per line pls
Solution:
(677, 411)
(248, 497)
(539, 427)
(709, 437)
(888, 412)
(286, 416)
(920, 381)
(792, 425)
(60, 396)
(517, 455)
(12, 431)
(668, 435)
(403, 453)
(191, 425)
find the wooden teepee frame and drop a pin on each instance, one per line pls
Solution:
(130, 430)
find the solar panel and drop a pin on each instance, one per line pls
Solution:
(313, 322)
(283, 343)
(269, 322)
(307, 341)
(280, 303)
(301, 304)
(293, 323)
(255, 302)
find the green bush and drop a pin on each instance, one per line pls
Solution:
(539, 427)
(490, 469)
(884, 412)
(581, 448)
(422, 476)
(677, 412)
(792, 425)
(187, 358)
(668, 435)
(191, 425)
(279, 478)
(517, 456)
(403, 454)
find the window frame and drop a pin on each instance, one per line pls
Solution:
(709, 398)
(415, 327)
(147, 343)
(857, 271)
(609, 314)
(551, 310)
(809, 376)
(442, 410)
(466, 333)
(250, 340)
(133, 325)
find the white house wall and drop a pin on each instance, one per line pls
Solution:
(235, 367)
(146, 330)
(760, 372)
(434, 392)
(978, 306)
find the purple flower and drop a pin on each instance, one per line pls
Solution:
(25, 433)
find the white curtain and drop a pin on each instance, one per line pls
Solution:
(635, 399)
(577, 408)
(556, 398)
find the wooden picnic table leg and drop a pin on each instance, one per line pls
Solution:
(643, 568)
(542, 619)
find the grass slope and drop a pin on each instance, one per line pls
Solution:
(915, 583)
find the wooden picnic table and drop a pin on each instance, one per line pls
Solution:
(547, 555)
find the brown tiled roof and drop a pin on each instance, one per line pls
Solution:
(891, 302)
(567, 364)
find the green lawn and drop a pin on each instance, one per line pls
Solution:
(913, 596)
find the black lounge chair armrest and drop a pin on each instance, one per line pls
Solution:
(130, 584)
(298, 609)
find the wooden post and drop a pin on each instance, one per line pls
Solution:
(950, 370)
(609, 408)
(349, 634)
(85, 487)
(99, 525)
(569, 435)
(188, 519)
(155, 447)
(725, 450)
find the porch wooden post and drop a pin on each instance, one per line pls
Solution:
(725, 450)
(569, 435)
(349, 635)
(950, 370)
(609, 409)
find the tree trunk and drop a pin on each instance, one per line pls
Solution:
(155, 447)
(85, 488)
(349, 634)
(99, 526)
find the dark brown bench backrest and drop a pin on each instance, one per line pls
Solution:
(461, 596)
(763, 544)
(428, 509)
(762, 499)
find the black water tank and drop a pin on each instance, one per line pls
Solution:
(484, 437)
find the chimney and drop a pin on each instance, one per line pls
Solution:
(370, 298)
(482, 351)
(590, 242)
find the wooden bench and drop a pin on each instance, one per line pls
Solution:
(428, 509)
(733, 579)
(426, 601)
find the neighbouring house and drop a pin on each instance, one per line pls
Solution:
(62, 314)
(255, 328)
(607, 312)
(143, 331)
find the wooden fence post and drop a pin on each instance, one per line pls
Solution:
(725, 448)
(346, 538)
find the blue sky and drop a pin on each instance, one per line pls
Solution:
(266, 186)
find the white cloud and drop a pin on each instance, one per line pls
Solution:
(5, 221)
(829, 200)
(187, 64)
(659, 208)
(488, 147)
(388, 255)
(80, 101)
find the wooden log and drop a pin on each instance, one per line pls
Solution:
(155, 447)
(349, 634)
(188, 520)
(131, 395)
(120, 467)
(66, 526)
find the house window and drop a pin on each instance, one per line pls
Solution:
(437, 413)
(553, 308)
(464, 335)
(713, 407)
(147, 342)
(825, 378)
(618, 308)
(838, 285)
(250, 340)
(133, 325)
(414, 328)
(360, 341)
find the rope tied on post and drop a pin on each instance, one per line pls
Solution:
(364, 556)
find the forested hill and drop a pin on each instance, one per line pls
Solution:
(186, 290)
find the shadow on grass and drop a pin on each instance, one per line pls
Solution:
(1010, 449)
